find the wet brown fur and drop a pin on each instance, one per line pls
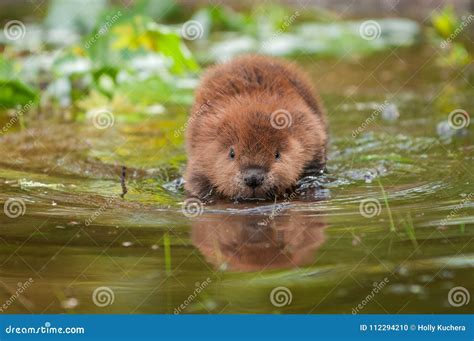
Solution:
(233, 107)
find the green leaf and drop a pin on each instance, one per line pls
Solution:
(137, 36)
(6, 68)
(456, 56)
(170, 44)
(445, 22)
(13, 92)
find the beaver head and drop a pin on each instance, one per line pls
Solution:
(258, 150)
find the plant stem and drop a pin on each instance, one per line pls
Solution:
(385, 198)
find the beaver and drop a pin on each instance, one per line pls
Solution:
(256, 127)
(256, 242)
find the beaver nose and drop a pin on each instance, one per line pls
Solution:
(254, 177)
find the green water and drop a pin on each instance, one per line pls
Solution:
(76, 233)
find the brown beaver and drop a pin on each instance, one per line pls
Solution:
(256, 126)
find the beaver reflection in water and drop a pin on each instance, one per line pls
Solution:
(250, 243)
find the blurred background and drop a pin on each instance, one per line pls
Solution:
(73, 55)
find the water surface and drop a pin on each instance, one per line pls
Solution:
(395, 211)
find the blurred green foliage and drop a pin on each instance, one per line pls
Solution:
(136, 61)
(447, 34)
(13, 92)
(445, 21)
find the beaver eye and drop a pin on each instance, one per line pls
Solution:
(277, 155)
(232, 153)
